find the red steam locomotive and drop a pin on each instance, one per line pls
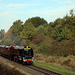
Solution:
(17, 53)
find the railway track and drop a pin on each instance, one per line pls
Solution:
(43, 70)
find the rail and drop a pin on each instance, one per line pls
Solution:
(43, 70)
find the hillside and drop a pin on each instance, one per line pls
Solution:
(8, 38)
(53, 43)
(56, 38)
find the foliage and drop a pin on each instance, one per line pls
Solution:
(74, 52)
(72, 12)
(23, 42)
(51, 24)
(2, 33)
(65, 34)
(57, 31)
(8, 42)
(17, 41)
(45, 44)
(58, 22)
(17, 27)
(39, 38)
(36, 21)
(67, 62)
(65, 55)
(28, 31)
(43, 48)
(62, 33)
(41, 29)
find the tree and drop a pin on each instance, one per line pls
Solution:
(28, 31)
(58, 22)
(41, 29)
(2, 33)
(8, 42)
(17, 27)
(61, 33)
(72, 12)
(65, 34)
(17, 41)
(56, 31)
(51, 24)
(36, 21)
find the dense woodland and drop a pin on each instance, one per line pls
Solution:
(54, 38)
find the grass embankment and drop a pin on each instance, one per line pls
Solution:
(58, 68)
(10, 70)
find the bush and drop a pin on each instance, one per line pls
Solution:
(67, 62)
(65, 55)
(43, 48)
(39, 38)
(74, 52)
(50, 59)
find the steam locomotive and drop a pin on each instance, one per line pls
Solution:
(18, 53)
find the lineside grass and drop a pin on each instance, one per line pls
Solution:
(60, 69)
(10, 70)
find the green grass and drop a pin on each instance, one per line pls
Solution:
(59, 69)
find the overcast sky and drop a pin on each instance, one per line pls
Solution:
(12, 10)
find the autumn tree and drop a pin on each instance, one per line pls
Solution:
(41, 29)
(17, 27)
(72, 12)
(65, 34)
(28, 31)
(36, 21)
(17, 41)
(2, 33)
(62, 34)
